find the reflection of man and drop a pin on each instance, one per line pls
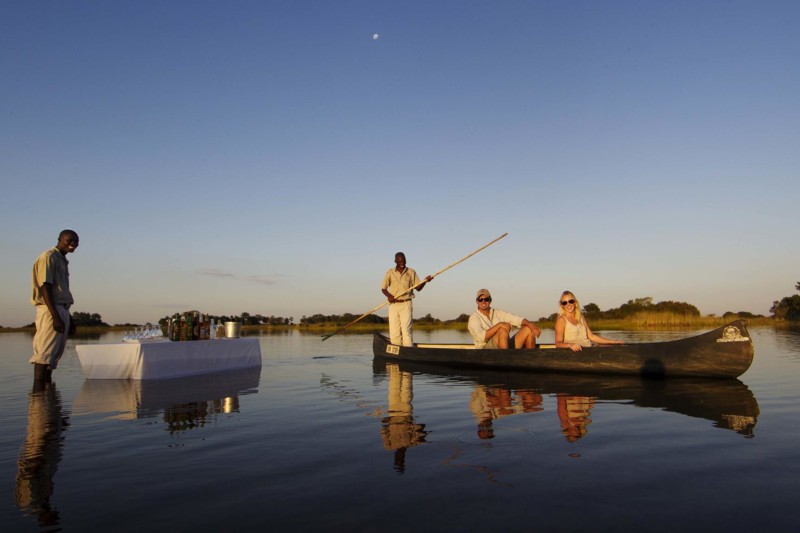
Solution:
(573, 413)
(490, 403)
(39, 457)
(52, 299)
(398, 430)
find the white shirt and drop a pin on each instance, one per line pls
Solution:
(479, 324)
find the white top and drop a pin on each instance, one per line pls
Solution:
(576, 333)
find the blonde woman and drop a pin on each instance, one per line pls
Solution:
(572, 331)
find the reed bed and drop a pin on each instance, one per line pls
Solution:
(642, 320)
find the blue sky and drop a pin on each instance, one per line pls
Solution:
(271, 157)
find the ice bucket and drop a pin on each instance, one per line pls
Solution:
(233, 329)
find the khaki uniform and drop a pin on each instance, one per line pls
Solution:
(48, 345)
(401, 312)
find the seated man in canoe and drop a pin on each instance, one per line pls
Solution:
(491, 328)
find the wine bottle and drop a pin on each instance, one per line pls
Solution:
(184, 328)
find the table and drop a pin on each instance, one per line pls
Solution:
(166, 359)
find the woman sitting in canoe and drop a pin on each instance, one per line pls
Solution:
(572, 331)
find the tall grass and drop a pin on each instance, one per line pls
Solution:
(666, 319)
(669, 319)
(641, 320)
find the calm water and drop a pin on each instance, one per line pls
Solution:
(323, 439)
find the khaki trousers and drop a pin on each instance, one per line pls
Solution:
(400, 323)
(48, 344)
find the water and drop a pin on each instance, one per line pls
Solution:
(323, 439)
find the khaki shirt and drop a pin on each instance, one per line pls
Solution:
(51, 267)
(397, 282)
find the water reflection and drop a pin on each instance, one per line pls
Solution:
(40, 454)
(489, 403)
(727, 403)
(182, 403)
(398, 430)
(573, 414)
(787, 338)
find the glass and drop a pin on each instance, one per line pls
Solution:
(566, 302)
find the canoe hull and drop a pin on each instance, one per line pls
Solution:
(725, 352)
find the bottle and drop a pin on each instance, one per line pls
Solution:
(196, 325)
(212, 330)
(183, 328)
(189, 326)
(176, 328)
(169, 328)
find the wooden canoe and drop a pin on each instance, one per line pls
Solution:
(725, 352)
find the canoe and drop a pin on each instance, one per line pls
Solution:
(725, 352)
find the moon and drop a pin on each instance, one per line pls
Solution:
(375, 36)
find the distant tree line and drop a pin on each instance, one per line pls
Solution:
(428, 319)
(81, 319)
(346, 318)
(87, 319)
(261, 320)
(638, 305)
(94, 319)
(341, 319)
(245, 318)
(788, 308)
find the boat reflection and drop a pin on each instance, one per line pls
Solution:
(40, 454)
(398, 430)
(184, 403)
(727, 403)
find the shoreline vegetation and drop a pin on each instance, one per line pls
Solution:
(636, 314)
(639, 321)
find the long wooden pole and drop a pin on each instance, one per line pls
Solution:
(448, 267)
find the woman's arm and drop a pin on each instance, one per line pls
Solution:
(598, 339)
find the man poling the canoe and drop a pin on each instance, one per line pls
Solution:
(427, 279)
(397, 281)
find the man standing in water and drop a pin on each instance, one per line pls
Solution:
(52, 299)
(396, 282)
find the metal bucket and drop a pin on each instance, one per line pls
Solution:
(233, 330)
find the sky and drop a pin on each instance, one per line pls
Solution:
(271, 157)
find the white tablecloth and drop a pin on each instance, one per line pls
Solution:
(166, 359)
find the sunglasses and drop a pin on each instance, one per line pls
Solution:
(483, 299)
(564, 303)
